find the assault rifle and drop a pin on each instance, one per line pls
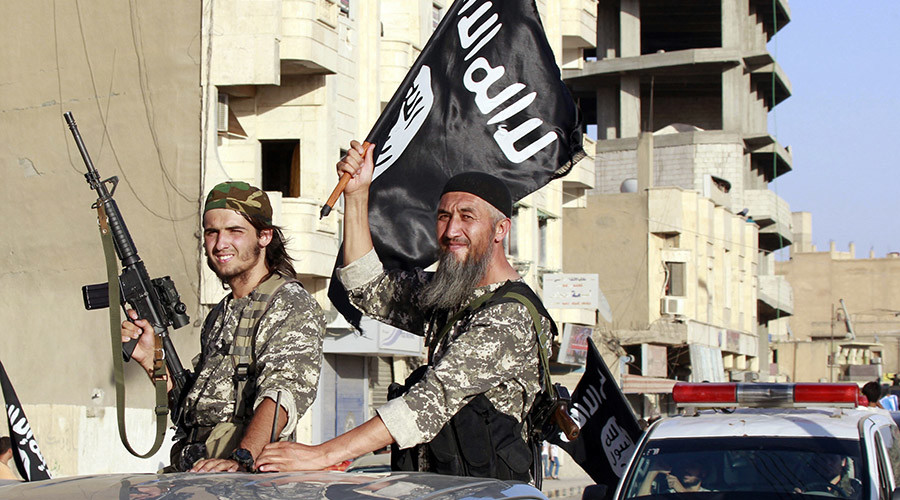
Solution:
(155, 300)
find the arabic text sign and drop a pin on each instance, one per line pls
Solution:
(571, 291)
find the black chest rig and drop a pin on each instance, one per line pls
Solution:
(479, 440)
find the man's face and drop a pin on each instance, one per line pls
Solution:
(465, 228)
(690, 475)
(232, 245)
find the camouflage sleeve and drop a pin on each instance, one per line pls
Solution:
(289, 352)
(385, 296)
(492, 352)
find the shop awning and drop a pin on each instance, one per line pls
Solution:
(636, 384)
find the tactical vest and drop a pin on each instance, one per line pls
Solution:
(219, 441)
(479, 440)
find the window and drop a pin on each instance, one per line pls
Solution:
(512, 240)
(675, 279)
(437, 12)
(542, 239)
(281, 167)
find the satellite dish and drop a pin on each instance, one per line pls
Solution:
(629, 185)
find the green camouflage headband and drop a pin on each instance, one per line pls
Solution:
(241, 197)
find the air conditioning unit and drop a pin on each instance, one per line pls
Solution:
(672, 305)
(222, 113)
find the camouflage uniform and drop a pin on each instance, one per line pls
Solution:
(287, 350)
(493, 351)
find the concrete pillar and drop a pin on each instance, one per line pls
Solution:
(629, 106)
(630, 28)
(607, 29)
(762, 355)
(607, 113)
(735, 87)
(645, 161)
(733, 15)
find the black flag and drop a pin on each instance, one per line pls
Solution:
(29, 461)
(485, 94)
(609, 429)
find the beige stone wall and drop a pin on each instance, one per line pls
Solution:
(868, 286)
(629, 238)
(137, 104)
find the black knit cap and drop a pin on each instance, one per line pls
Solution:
(485, 186)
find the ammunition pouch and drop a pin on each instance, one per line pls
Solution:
(204, 442)
(478, 441)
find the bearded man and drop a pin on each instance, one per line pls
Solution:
(465, 412)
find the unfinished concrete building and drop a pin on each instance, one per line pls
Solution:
(697, 78)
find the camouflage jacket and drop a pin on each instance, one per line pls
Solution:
(493, 351)
(287, 351)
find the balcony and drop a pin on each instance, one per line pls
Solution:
(310, 38)
(775, 297)
(772, 215)
(768, 155)
(245, 37)
(397, 56)
(582, 175)
(578, 23)
(312, 242)
(681, 62)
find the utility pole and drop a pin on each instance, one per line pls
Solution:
(831, 348)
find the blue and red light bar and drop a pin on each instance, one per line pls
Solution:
(762, 395)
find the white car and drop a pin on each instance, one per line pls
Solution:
(330, 485)
(764, 440)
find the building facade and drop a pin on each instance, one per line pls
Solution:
(173, 101)
(846, 322)
(684, 89)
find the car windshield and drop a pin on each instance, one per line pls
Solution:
(747, 467)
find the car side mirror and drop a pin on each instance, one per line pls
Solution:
(598, 492)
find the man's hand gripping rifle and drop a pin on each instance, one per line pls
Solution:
(155, 300)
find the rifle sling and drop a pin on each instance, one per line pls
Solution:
(115, 321)
(503, 294)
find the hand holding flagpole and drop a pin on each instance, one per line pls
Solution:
(342, 183)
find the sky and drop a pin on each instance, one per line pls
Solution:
(842, 121)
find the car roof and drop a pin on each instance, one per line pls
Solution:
(784, 422)
(300, 485)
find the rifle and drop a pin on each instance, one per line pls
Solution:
(550, 413)
(155, 300)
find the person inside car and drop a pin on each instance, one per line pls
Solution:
(685, 477)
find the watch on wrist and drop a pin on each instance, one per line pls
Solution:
(243, 457)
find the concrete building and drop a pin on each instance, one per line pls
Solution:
(678, 273)
(174, 100)
(846, 322)
(699, 77)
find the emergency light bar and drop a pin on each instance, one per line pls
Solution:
(766, 395)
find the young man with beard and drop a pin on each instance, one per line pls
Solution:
(261, 344)
(482, 360)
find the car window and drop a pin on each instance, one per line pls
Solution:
(813, 466)
(890, 436)
(883, 467)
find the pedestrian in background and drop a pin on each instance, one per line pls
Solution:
(6, 454)
(554, 461)
(545, 458)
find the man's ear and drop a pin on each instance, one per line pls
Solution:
(501, 230)
(265, 237)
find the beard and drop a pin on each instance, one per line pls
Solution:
(243, 265)
(454, 281)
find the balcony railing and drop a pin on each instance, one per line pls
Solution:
(312, 242)
(775, 295)
(773, 215)
(310, 37)
(579, 23)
